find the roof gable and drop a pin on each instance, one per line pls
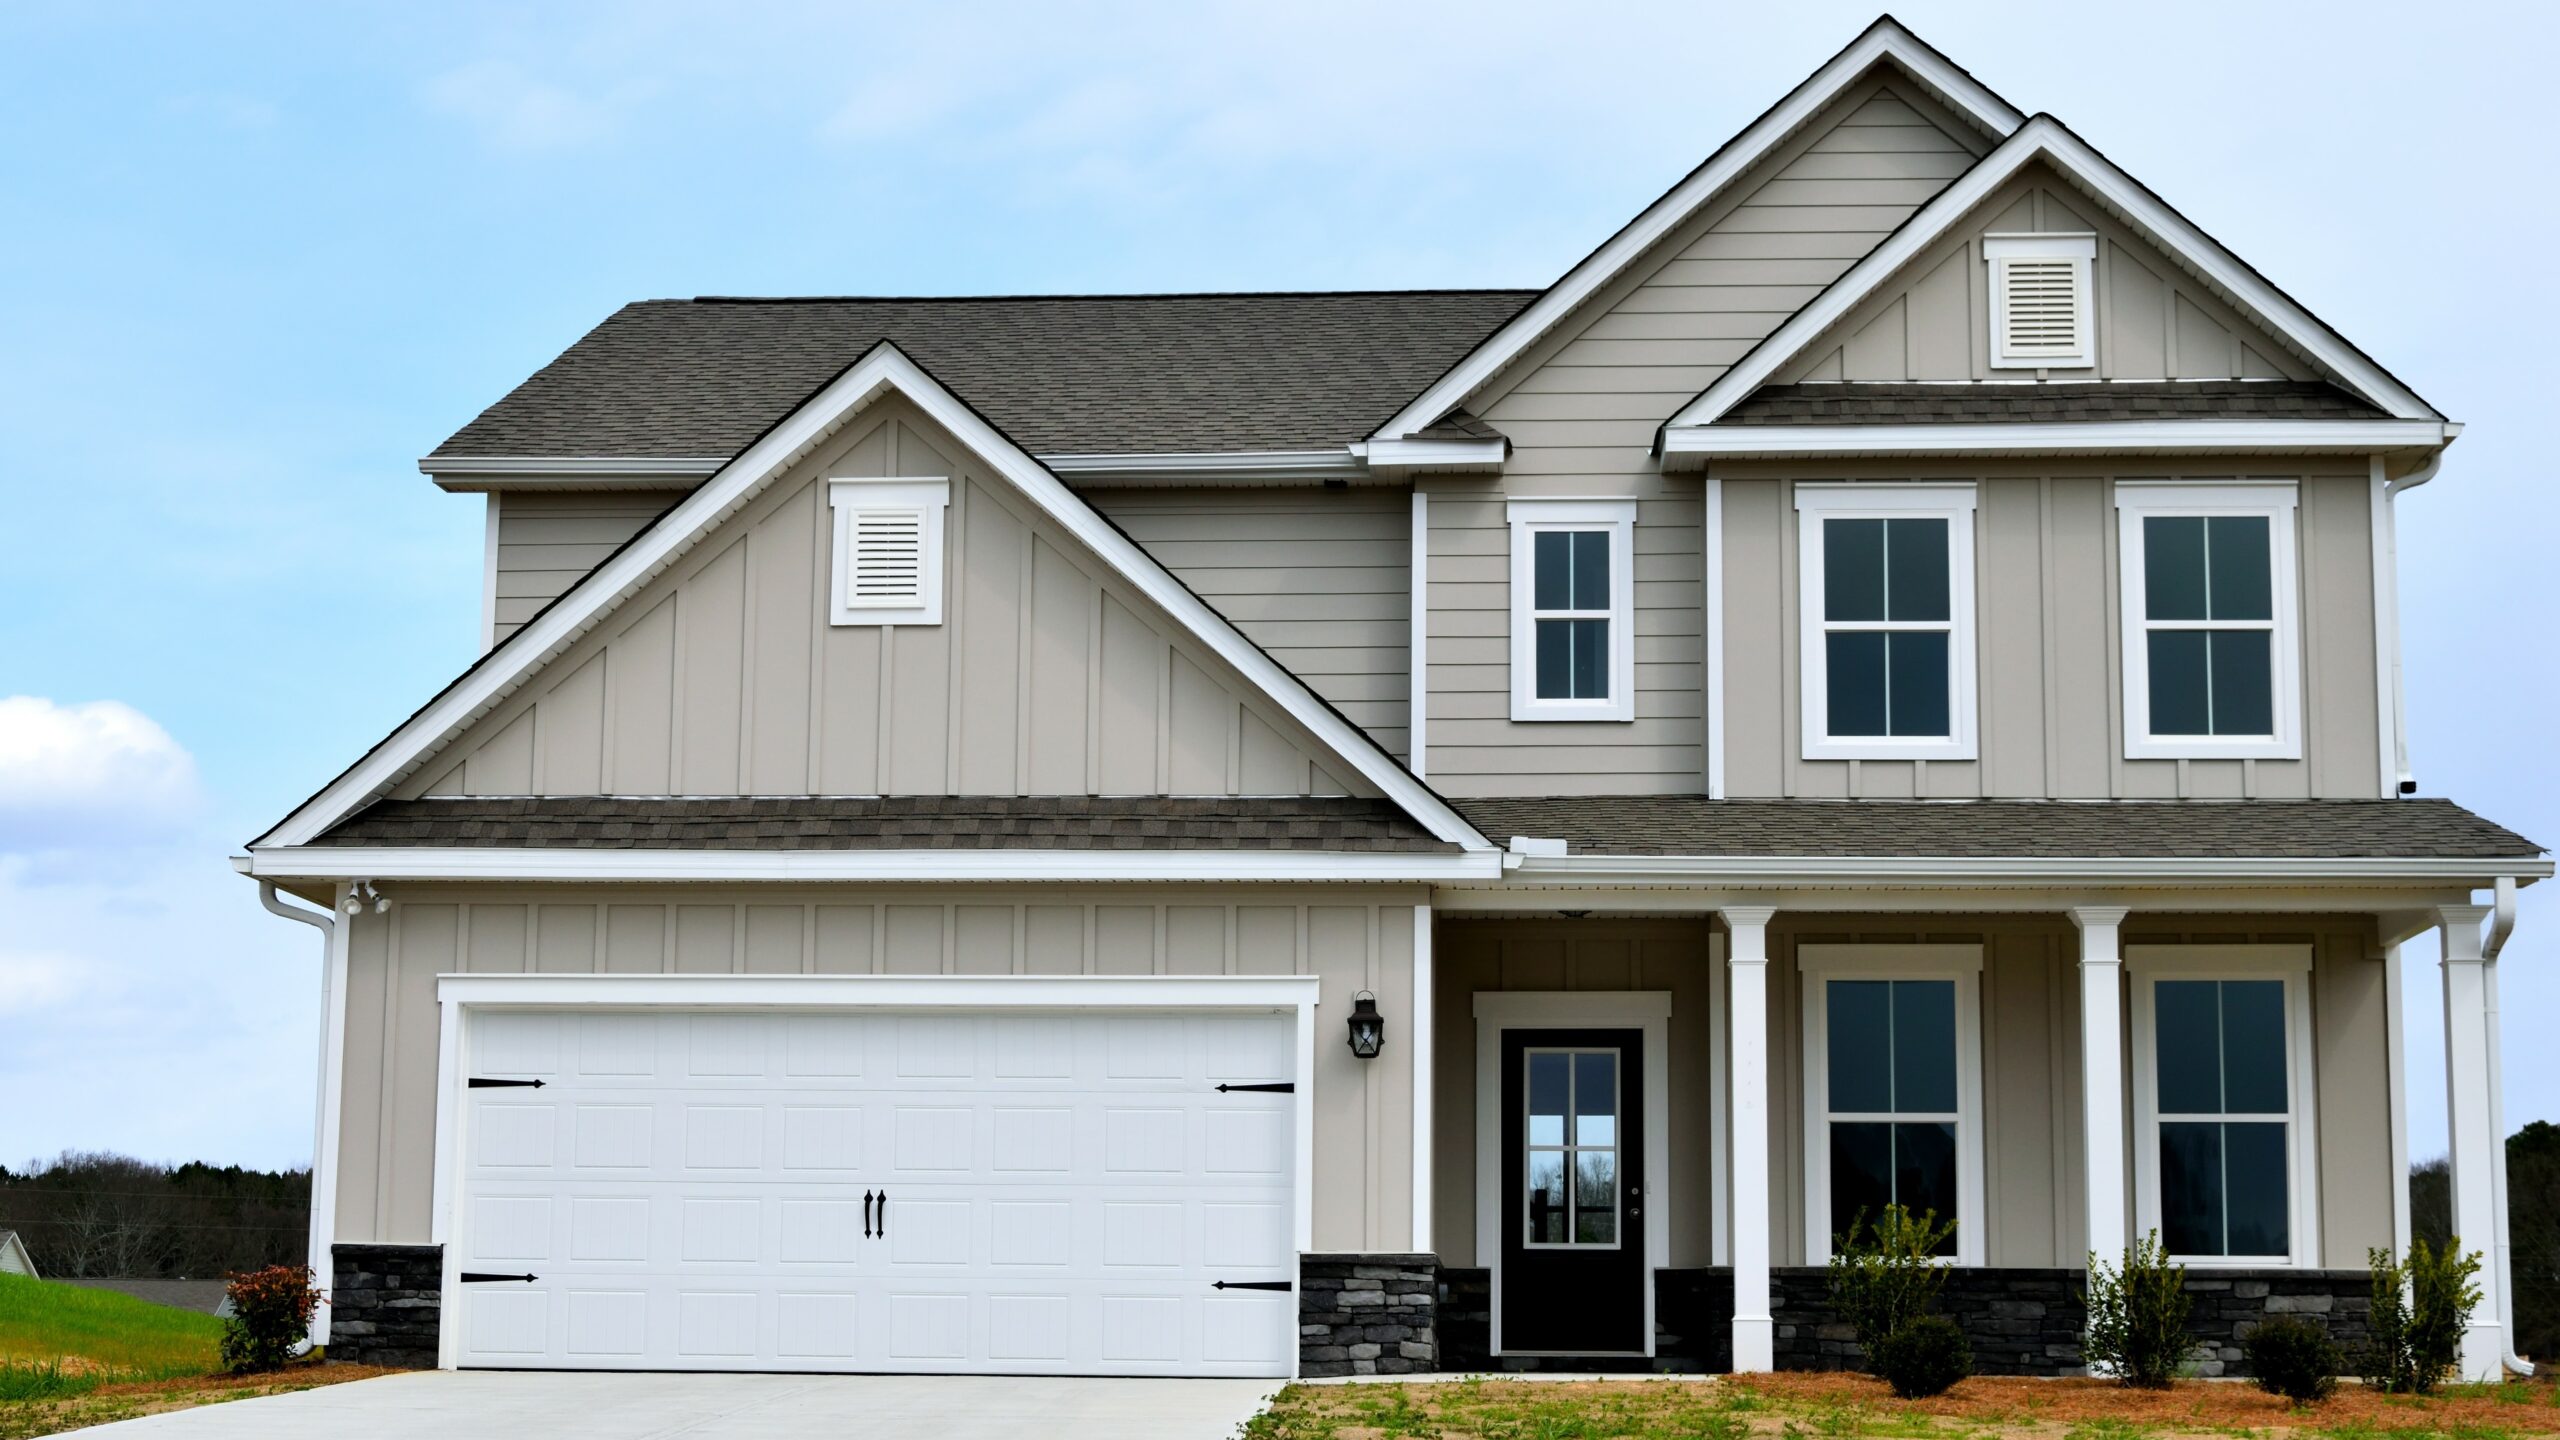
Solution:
(1884, 44)
(1801, 344)
(883, 375)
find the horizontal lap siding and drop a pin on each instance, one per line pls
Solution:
(2048, 634)
(1351, 941)
(548, 541)
(1322, 579)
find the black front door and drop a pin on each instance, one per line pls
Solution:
(1573, 1261)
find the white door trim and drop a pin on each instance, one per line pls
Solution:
(455, 994)
(1645, 1010)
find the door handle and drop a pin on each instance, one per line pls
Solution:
(866, 1214)
(884, 1214)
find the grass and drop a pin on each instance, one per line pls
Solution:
(72, 1357)
(1854, 1407)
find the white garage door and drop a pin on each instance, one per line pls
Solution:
(1017, 1193)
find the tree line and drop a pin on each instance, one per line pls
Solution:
(2533, 1229)
(86, 1214)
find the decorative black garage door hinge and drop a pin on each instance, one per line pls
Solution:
(483, 1082)
(1276, 1087)
(1251, 1285)
(476, 1277)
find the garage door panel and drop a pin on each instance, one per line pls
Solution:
(1053, 1194)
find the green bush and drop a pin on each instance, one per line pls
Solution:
(1926, 1357)
(2291, 1357)
(2138, 1316)
(270, 1315)
(2420, 1310)
(1886, 1275)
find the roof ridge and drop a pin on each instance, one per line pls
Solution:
(1090, 295)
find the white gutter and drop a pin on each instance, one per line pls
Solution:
(2386, 591)
(1900, 872)
(344, 862)
(1687, 447)
(328, 1083)
(2502, 923)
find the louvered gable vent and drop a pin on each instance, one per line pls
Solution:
(2040, 302)
(888, 550)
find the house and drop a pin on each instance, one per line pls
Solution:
(1269, 834)
(14, 1259)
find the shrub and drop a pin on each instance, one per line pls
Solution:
(2138, 1316)
(1926, 1357)
(1887, 1275)
(270, 1315)
(2293, 1358)
(2420, 1310)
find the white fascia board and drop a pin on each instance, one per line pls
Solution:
(2045, 138)
(1404, 456)
(884, 369)
(463, 474)
(1183, 992)
(1885, 872)
(1114, 866)
(1269, 467)
(1884, 40)
(1688, 447)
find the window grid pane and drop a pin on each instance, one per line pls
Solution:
(2214, 571)
(2221, 1066)
(1572, 1175)
(1896, 680)
(1890, 1051)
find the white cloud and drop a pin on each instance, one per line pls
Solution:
(32, 981)
(514, 109)
(74, 776)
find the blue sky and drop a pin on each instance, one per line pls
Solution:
(261, 258)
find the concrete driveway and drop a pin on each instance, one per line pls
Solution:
(525, 1405)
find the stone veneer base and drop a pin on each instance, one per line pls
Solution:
(385, 1304)
(1368, 1314)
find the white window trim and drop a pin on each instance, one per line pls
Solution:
(2137, 500)
(2079, 248)
(1961, 964)
(1500, 1010)
(1529, 517)
(1817, 502)
(2289, 963)
(847, 497)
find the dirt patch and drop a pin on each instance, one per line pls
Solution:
(136, 1398)
(2189, 1405)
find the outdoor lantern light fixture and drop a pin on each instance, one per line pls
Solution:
(1368, 1027)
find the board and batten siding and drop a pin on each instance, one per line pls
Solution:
(1048, 675)
(1352, 940)
(1581, 407)
(1320, 578)
(2047, 601)
(549, 539)
(2153, 321)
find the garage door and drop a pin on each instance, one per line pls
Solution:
(1022, 1193)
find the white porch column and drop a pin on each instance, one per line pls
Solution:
(1747, 1015)
(2468, 1078)
(2102, 1127)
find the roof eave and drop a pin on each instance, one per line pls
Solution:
(1691, 447)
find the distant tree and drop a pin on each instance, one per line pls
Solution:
(2533, 1229)
(85, 1214)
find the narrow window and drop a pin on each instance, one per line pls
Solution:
(1892, 1094)
(2221, 1058)
(2209, 643)
(1888, 621)
(1572, 609)
(1573, 1147)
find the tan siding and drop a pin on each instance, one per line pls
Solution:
(2048, 634)
(548, 540)
(1319, 578)
(1352, 939)
(1047, 676)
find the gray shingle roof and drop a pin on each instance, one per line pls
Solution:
(1098, 374)
(2002, 829)
(1839, 403)
(887, 823)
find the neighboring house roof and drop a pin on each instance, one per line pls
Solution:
(1065, 374)
(883, 370)
(894, 822)
(1831, 402)
(1931, 829)
(14, 1259)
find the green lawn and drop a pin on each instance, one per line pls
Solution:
(62, 1339)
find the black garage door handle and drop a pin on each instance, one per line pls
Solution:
(475, 1277)
(1250, 1285)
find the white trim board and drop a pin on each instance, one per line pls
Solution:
(1691, 447)
(515, 863)
(2137, 501)
(2047, 139)
(1885, 40)
(1645, 1010)
(1817, 503)
(1616, 518)
(881, 371)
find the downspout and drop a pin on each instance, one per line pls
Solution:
(2386, 540)
(2502, 923)
(324, 1150)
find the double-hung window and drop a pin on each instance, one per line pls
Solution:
(1572, 609)
(1893, 1090)
(2211, 648)
(1887, 607)
(2223, 1165)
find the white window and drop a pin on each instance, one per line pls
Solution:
(2040, 306)
(1887, 605)
(1573, 602)
(1574, 1100)
(2212, 653)
(2225, 1144)
(888, 550)
(1893, 1090)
